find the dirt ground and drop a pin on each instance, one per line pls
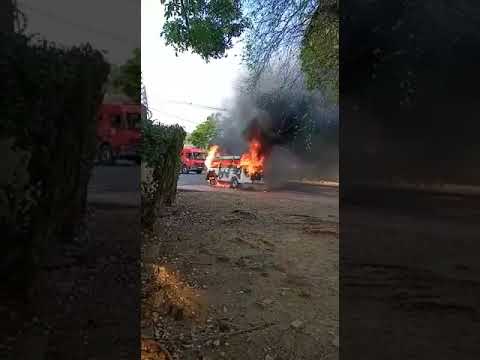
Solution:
(243, 275)
(86, 303)
(409, 276)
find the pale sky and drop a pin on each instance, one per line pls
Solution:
(109, 25)
(186, 78)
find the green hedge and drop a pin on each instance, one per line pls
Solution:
(160, 151)
(50, 97)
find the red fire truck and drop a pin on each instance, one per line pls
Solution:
(118, 132)
(193, 159)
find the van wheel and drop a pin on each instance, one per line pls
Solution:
(234, 183)
(212, 181)
(106, 155)
(185, 169)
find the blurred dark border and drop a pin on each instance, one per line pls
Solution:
(409, 179)
(70, 290)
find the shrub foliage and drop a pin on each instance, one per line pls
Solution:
(49, 101)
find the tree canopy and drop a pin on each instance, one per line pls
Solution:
(205, 27)
(319, 53)
(205, 132)
(128, 77)
(276, 31)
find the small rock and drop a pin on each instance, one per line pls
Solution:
(296, 324)
(223, 258)
(225, 310)
(268, 357)
(224, 326)
(216, 343)
(304, 294)
(267, 301)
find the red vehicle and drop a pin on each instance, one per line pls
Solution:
(118, 132)
(193, 159)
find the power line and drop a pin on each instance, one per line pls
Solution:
(174, 116)
(195, 105)
(59, 19)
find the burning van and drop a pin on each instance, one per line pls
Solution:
(228, 171)
(234, 171)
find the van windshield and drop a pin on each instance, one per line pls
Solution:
(198, 156)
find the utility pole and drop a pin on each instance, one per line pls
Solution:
(146, 113)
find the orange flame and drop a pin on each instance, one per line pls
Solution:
(212, 153)
(252, 160)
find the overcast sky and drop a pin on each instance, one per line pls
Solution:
(114, 26)
(186, 78)
(110, 25)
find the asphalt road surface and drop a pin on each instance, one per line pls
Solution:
(120, 184)
(115, 185)
(191, 179)
(325, 194)
(124, 177)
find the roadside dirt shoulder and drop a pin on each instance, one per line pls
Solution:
(244, 275)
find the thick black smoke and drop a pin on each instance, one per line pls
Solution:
(297, 129)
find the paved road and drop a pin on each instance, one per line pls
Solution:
(191, 179)
(120, 184)
(324, 194)
(115, 185)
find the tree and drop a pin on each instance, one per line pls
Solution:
(113, 76)
(128, 77)
(12, 18)
(319, 53)
(205, 132)
(205, 27)
(277, 32)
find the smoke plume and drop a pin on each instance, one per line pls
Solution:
(297, 128)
